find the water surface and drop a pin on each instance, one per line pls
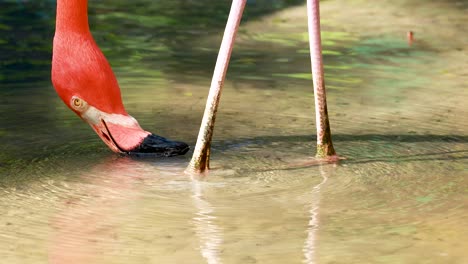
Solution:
(398, 115)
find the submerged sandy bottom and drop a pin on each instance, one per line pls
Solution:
(398, 115)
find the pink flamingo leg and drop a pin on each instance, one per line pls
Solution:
(201, 155)
(324, 142)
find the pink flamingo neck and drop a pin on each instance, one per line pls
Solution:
(72, 15)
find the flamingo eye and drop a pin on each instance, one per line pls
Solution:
(78, 104)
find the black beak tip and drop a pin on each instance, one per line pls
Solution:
(157, 146)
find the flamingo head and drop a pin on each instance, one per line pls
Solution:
(87, 85)
(122, 133)
(126, 133)
(85, 82)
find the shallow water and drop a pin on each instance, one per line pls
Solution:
(398, 115)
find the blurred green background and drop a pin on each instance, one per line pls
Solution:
(123, 29)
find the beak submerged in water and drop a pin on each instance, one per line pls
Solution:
(123, 134)
(85, 82)
(134, 140)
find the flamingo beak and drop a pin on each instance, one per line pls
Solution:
(134, 140)
(123, 134)
(105, 135)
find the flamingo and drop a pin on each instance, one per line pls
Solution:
(84, 80)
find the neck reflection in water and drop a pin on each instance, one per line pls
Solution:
(94, 219)
(86, 225)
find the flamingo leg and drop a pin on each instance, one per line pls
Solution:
(324, 142)
(201, 155)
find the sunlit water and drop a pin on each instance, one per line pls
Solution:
(398, 115)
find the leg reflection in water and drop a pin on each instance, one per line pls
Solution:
(209, 234)
(310, 244)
